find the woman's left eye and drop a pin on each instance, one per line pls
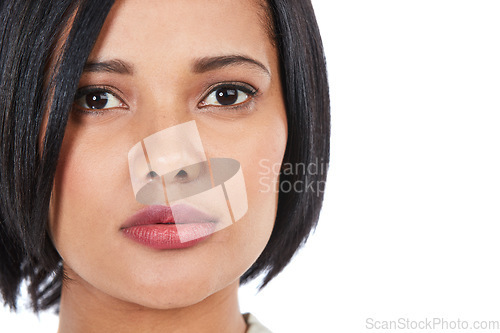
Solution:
(97, 99)
(228, 96)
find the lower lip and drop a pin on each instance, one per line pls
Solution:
(170, 236)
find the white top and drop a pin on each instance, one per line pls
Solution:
(254, 326)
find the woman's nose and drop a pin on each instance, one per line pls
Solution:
(173, 157)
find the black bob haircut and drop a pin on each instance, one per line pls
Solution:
(32, 84)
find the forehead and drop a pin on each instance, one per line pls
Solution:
(157, 31)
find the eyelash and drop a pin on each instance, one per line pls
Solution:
(246, 89)
(82, 92)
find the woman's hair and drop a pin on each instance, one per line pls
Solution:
(44, 47)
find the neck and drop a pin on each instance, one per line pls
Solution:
(85, 309)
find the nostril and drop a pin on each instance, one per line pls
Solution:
(181, 175)
(152, 175)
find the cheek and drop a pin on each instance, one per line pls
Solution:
(259, 146)
(262, 161)
(266, 148)
(261, 167)
(88, 184)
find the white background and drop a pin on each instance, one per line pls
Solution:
(410, 223)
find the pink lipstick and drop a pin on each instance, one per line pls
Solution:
(156, 227)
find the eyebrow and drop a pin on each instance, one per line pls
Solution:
(111, 66)
(207, 64)
(201, 65)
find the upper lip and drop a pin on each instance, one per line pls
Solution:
(158, 214)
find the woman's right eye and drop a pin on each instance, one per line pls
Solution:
(97, 99)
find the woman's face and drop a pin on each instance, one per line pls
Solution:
(159, 67)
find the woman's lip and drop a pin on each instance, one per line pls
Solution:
(170, 236)
(155, 227)
(158, 214)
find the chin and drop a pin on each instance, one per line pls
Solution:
(171, 295)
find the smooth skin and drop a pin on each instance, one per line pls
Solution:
(163, 60)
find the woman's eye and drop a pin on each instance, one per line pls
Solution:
(227, 96)
(97, 100)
